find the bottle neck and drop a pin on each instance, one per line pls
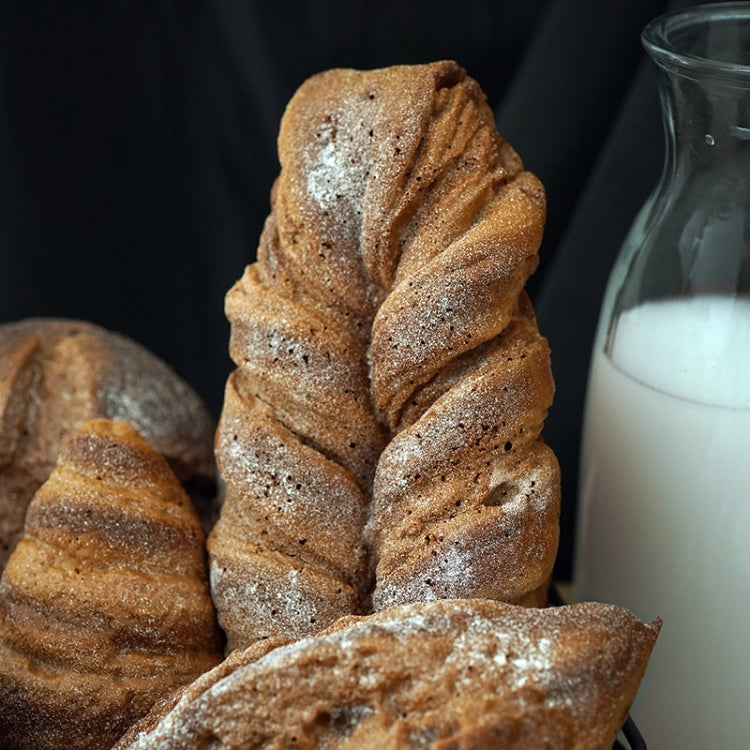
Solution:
(693, 236)
(707, 129)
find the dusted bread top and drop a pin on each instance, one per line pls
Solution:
(399, 203)
(470, 674)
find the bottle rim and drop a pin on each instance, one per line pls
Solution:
(710, 40)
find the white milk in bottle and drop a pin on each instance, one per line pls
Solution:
(665, 517)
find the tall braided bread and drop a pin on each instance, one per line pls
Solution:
(380, 437)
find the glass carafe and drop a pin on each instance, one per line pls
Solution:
(664, 510)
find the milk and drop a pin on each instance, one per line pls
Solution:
(665, 514)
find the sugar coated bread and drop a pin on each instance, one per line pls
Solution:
(104, 604)
(451, 674)
(56, 374)
(380, 438)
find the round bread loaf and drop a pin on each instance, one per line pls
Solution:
(380, 439)
(452, 674)
(56, 374)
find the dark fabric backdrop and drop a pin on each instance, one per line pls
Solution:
(137, 150)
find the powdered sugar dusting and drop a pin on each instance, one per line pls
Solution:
(335, 171)
(252, 599)
(145, 392)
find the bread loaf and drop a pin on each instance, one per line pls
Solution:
(56, 374)
(104, 603)
(452, 674)
(380, 438)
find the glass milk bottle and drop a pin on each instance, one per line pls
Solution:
(664, 512)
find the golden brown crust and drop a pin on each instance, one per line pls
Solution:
(55, 374)
(384, 340)
(104, 603)
(466, 498)
(450, 674)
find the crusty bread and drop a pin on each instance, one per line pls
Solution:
(104, 603)
(55, 374)
(443, 675)
(380, 439)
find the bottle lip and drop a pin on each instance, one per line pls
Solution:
(711, 40)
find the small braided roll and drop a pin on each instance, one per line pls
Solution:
(380, 439)
(104, 605)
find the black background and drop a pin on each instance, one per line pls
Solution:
(137, 150)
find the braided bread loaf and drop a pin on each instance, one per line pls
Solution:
(380, 437)
(449, 674)
(104, 603)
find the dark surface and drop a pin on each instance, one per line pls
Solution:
(137, 150)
